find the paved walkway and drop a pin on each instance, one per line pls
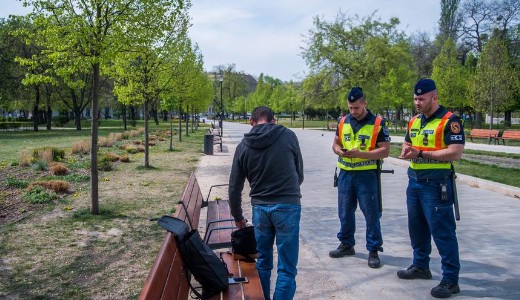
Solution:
(488, 233)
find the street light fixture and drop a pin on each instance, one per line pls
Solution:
(220, 77)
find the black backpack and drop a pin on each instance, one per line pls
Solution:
(209, 270)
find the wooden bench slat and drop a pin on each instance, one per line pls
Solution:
(483, 134)
(509, 135)
(161, 268)
(251, 290)
(176, 285)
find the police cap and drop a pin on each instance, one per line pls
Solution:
(354, 94)
(423, 86)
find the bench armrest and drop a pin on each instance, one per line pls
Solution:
(205, 202)
(220, 244)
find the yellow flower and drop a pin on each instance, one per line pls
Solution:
(68, 207)
(106, 179)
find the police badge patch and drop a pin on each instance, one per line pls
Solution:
(455, 127)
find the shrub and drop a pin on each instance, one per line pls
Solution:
(134, 133)
(49, 154)
(39, 195)
(125, 158)
(112, 157)
(58, 186)
(131, 149)
(44, 155)
(39, 165)
(58, 168)
(104, 164)
(60, 120)
(81, 147)
(26, 158)
(105, 142)
(116, 136)
(17, 183)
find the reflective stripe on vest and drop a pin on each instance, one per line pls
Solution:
(358, 163)
(437, 143)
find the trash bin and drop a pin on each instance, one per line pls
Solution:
(208, 144)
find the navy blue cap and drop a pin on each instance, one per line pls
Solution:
(354, 94)
(423, 86)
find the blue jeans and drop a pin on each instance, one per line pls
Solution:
(280, 222)
(354, 187)
(429, 216)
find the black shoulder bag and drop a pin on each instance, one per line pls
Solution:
(208, 269)
(243, 244)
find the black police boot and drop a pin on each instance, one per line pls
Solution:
(445, 290)
(373, 260)
(342, 250)
(414, 273)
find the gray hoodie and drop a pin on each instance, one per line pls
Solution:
(269, 157)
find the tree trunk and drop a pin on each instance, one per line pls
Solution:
(49, 108)
(180, 123)
(36, 111)
(155, 116)
(146, 142)
(171, 133)
(507, 118)
(94, 141)
(187, 117)
(124, 116)
(132, 116)
(478, 119)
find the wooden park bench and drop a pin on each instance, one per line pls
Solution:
(489, 134)
(332, 126)
(513, 135)
(167, 278)
(217, 136)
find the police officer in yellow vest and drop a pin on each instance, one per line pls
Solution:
(434, 139)
(361, 139)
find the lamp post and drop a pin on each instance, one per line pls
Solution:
(220, 122)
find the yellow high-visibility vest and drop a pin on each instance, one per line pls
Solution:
(363, 140)
(429, 138)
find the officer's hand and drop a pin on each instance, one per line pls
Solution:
(406, 153)
(352, 153)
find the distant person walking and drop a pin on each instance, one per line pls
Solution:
(269, 157)
(434, 139)
(361, 140)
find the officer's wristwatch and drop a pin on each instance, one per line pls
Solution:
(420, 155)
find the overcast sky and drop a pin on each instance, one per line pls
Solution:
(267, 36)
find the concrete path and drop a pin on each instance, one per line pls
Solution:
(488, 233)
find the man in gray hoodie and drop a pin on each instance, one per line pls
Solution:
(269, 157)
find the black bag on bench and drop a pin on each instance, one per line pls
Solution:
(208, 269)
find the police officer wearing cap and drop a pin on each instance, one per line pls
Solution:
(434, 139)
(361, 140)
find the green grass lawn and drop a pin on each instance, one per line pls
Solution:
(63, 137)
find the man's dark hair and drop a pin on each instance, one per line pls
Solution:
(262, 113)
